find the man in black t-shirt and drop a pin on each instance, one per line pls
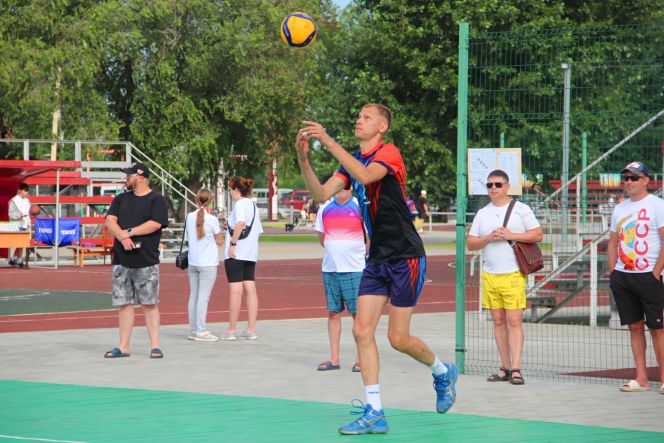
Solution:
(136, 219)
(422, 209)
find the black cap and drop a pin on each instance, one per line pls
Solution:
(137, 168)
(637, 168)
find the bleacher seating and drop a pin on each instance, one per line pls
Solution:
(93, 246)
(597, 194)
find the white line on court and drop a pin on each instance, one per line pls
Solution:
(23, 296)
(16, 437)
(54, 315)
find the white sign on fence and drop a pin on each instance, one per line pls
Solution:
(484, 160)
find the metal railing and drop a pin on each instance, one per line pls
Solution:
(108, 169)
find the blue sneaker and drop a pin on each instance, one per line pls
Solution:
(445, 386)
(370, 422)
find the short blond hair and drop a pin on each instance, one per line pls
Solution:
(383, 110)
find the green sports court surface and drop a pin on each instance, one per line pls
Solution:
(71, 413)
(34, 301)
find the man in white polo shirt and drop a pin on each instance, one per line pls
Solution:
(636, 258)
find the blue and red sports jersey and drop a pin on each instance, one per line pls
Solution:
(383, 206)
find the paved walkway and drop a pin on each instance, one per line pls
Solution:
(282, 365)
(57, 386)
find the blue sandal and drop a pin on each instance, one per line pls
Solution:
(328, 366)
(156, 353)
(115, 353)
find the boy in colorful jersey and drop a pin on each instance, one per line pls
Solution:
(397, 262)
(341, 232)
(636, 259)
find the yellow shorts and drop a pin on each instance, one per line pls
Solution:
(504, 291)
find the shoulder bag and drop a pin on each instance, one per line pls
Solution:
(528, 255)
(247, 229)
(182, 259)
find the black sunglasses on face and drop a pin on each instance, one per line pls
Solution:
(490, 185)
(631, 178)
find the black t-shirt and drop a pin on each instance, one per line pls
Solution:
(384, 209)
(419, 205)
(131, 211)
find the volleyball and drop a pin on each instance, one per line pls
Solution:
(298, 30)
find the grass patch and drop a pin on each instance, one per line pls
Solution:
(287, 238)
(276, 224)
(442, 245)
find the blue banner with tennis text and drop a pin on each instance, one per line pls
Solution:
(69, 231)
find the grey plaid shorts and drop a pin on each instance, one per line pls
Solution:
(135, 285)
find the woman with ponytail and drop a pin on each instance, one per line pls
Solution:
(204, 235)
(240, 256)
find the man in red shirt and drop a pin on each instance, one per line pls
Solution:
(397, 261)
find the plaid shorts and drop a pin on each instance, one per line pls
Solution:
(133, 286)
(341, 288)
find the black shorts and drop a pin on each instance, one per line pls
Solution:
(239, 270)
(638, 295)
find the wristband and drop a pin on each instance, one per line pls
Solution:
(233, 244)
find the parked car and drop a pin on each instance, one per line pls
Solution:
(296, 199)
(260, 197)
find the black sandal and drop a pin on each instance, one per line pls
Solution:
(516, 379)
(496, 377)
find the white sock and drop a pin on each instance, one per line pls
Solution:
(438, 367)
(372, 393)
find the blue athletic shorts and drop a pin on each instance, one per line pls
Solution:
(342, 288)
(401, 280)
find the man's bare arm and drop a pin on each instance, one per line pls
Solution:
(612, 251)
(363, 174)
(320, 192)
(474, 243)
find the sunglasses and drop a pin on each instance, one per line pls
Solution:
(490, 185)
(631, 178)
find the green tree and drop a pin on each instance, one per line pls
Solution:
(50, 59)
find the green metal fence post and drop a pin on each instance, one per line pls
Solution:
(462, 197)
(584, 178)
(502, 140)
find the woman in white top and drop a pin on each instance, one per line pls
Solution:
(203, 234)
(240, 256)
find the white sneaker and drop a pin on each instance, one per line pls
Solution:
(248, 335)
(205, 336)
(228, 335)
(192, 335)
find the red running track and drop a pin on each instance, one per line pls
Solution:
(287, 289)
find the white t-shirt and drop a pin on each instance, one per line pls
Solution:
(18, 207)
(636, 224)
(246, 249)
(498, 256)
(344, 236)
(203, 252)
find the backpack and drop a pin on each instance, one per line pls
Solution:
(411, 207)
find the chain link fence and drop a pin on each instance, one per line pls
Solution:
(580, 104)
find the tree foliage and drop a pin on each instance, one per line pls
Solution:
(200, 83)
